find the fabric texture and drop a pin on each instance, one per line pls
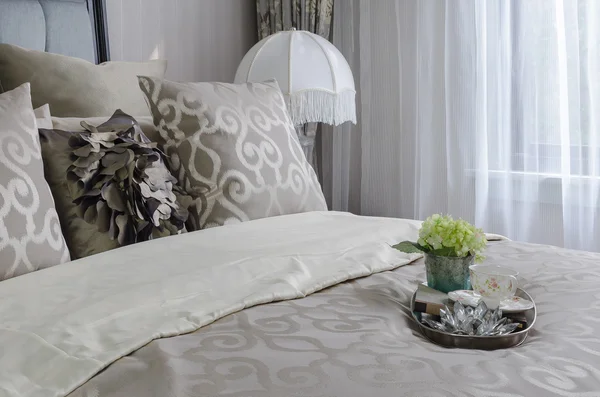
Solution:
(233, 149)
(485, 110)
(93, 230)
(74, 87)
(30, 233)
(315, 16)
(357, 339)
(108, 305)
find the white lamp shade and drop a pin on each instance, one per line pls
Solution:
(312, 73)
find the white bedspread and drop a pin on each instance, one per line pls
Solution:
(62, 325)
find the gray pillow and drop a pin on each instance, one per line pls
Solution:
(234, 150)
(74, 87)
(30, 233)
(75, 124)
(96, 225)
(82, 238)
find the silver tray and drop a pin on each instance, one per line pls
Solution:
(478, 342)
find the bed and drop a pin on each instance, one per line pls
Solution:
(309, 304)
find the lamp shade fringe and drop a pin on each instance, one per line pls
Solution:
(321, 106)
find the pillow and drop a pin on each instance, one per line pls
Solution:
(42, 116)
(234, 150)
(82, 238)
(30, 234)
(74, 87)
(91, 224)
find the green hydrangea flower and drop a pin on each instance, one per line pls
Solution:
(444, 236)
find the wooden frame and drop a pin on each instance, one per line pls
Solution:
(97, 10)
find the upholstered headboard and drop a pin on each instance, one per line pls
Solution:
(70, 27)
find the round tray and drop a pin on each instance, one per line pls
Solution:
(478, 342)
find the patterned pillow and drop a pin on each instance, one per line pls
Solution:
(30, 234)
(233, 149)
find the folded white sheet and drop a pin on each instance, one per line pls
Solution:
(62, 325)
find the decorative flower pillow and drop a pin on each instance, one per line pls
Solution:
(233, 149)
(111, 185)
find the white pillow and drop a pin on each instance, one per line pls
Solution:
(43, 117)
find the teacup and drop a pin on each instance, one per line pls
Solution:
(493, 283)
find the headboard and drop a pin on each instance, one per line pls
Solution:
(70, 27)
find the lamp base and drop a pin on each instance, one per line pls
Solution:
(306, 135)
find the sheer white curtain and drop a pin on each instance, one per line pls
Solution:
(487, 110)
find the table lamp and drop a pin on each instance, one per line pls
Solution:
(313, 75)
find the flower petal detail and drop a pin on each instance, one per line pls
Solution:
(121, 184)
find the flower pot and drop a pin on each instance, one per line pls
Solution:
(446, 273)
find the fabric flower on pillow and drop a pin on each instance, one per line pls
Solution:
(121, 184)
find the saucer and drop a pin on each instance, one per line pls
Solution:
(511, 305)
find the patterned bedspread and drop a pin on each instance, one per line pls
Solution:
(358, 339)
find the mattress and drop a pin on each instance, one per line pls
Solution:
(311, 304)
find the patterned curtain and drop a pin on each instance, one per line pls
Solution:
(311, 15)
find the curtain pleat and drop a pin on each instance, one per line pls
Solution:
(484, 110)
(314, 16)
(276, 15)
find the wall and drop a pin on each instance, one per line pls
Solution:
(203, 40)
